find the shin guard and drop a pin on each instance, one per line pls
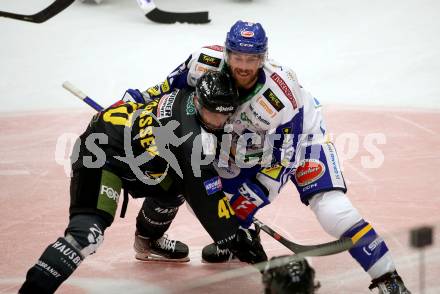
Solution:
(55, 265)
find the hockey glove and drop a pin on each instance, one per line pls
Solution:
(247, 247)
(133, 95)
(282, 275)
(249, 199)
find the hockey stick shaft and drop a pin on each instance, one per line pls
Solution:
(39, 17)
(323, 249)
(78, 93)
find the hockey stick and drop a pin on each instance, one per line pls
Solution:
(78, 93)
(157, 15)
(323, 249)
(39, 17)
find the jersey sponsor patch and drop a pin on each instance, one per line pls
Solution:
(213, 185)
(165, 86)
(333, 163)
(258, 116)
(272, 172)
(165, 108)
(109, 192)
(201, 69)
(267, 108)
(273, 99)
(287, 130)
(283, 86)
(209, 60)
(309, 171)
(154, 91)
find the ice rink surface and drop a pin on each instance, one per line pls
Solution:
(374, 65)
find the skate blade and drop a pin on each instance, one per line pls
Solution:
(157, 258)
(234, 260)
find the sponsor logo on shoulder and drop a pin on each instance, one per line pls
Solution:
(165, 108)
(213, 185)
(209, 60)
(283, 86)
(309, 171)
(273, 100)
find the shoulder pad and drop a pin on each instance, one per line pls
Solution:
(203, 60)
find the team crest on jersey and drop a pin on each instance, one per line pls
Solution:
(309, 171)
(213, 185)
(165, 107)
(273, 99)
(283, 86)
(209, 60)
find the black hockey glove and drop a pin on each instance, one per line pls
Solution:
(247, 247)
(285, 275)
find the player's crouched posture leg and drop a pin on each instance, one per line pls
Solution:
(339, 218)
(94, 195)
(152, 222)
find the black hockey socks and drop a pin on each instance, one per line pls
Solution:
(55, 265)
(153, 219)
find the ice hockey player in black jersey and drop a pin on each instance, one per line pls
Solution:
(160, 151)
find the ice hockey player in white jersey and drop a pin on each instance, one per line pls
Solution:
(278, 128)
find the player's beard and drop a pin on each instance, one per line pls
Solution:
(244, 78)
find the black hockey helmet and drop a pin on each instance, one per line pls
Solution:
(283, 274)
(217, 93)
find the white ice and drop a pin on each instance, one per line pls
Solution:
(376, 52)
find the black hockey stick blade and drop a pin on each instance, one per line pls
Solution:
(39, 17)
(323, 249)
(160, 16)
